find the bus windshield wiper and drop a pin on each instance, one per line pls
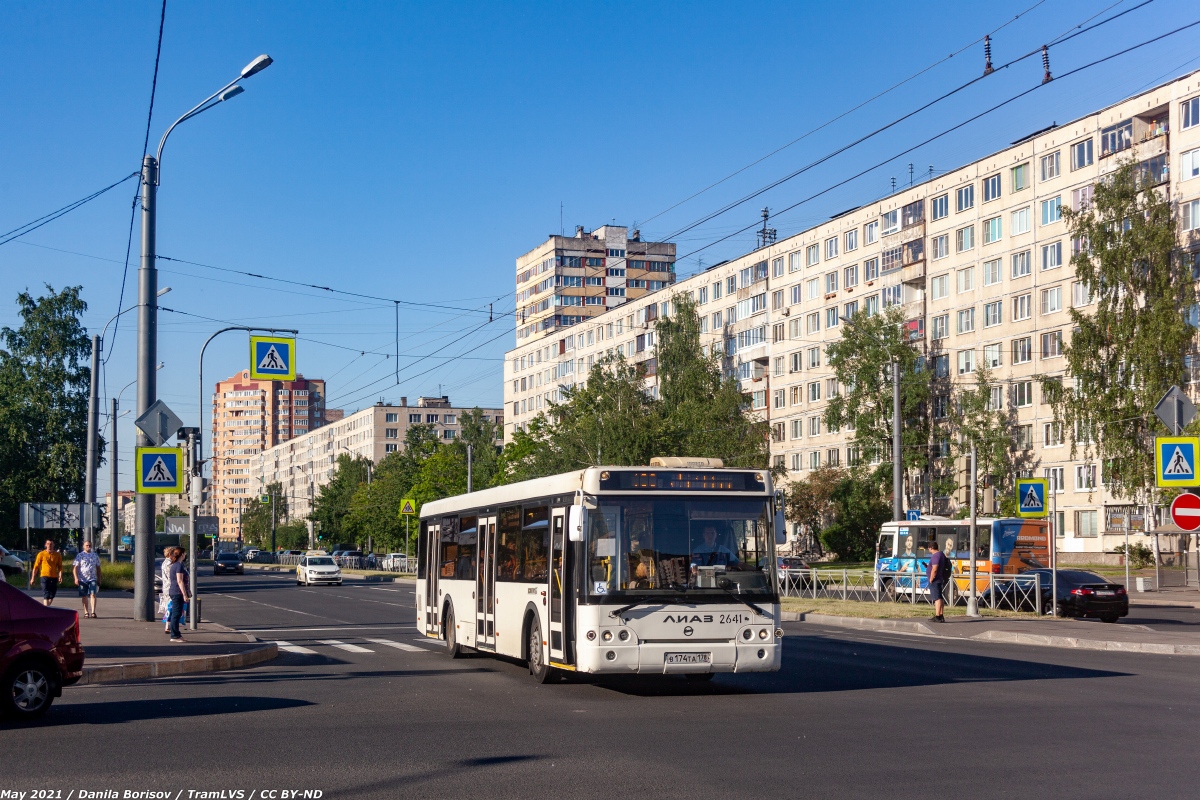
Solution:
(725, 584)
(618, 612)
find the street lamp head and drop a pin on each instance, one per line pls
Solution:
(163, 291)
(257, 65)
(232, 91)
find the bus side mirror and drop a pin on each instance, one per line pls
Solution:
(575, 522)
(780, 526)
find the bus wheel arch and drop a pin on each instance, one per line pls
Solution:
(539, 668)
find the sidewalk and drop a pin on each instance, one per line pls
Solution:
(118, 648)
(1079, 634)
(1167, 597)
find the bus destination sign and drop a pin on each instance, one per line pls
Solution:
(682, 481)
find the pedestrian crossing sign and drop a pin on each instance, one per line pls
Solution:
(272, 358)
(159, 470)
(407, 506)
(1031, 497)
(1175, 460)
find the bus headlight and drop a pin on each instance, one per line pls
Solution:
(762, 634)
(747, 634)
(606, 636)
(623, 636)
(610, 655)
(591, 636)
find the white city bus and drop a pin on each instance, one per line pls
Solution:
(661, 569)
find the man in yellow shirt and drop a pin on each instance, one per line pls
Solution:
(48, 567)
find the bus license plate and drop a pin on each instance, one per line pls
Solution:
(689, 658)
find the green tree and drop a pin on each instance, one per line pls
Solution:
(862, 360)
(44, 381)
(483, 436)
(256, 517)
(160, 520)
(976, 419)
(374, 511)
(333, 500)
(1123, 355)
(859, 511)
(810, 500)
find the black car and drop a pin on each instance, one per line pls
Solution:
(1081, 594)
(228, 562)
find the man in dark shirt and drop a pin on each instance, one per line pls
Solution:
(938, 574)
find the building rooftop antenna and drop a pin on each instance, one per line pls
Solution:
(767, 235)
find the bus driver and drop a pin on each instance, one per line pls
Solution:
(709, 553)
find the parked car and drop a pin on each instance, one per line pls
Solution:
(158, 562)
(251, 553)
(10, 564)
(394, 561)
(318, 569)
(24, 555)
(40, 653)
(228, 562)
(1080, 594)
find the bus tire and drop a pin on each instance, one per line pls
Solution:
(539, 670)
(453, 648)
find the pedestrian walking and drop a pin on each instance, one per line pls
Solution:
(48, 567)
(87, 577)
(164, 599)
(938, 574)
(179, 589)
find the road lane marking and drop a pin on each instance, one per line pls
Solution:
(349, 648)
(295, 648)
(279, 608)
(286, 629)
(408, 648)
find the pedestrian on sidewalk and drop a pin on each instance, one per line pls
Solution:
(180, 592)
(164, 599)
(48, 567)
(87, 577)
(938, 574)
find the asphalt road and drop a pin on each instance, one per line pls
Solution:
(362, 707)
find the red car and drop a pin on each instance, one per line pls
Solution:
(40, 653)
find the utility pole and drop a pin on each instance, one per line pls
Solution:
(195, 490)
(972, 598)
(89, 491)
(272, 522)
(897, 477)
(147, 390)
(113, 506)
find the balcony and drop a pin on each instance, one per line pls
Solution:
(913, 272)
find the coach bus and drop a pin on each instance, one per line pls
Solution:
(1003, 546)
(661, 569)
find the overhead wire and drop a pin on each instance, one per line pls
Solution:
(46, 219)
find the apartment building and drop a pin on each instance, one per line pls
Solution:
(248, 417)
(566, 280)
(978, 261)
(303, 464)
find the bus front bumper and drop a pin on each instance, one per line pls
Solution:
(682, 657)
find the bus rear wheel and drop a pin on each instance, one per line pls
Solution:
(538, 668)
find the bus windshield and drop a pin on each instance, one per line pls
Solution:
(652, 546)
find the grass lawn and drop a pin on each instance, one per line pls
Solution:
(886, 610)
(113, 577)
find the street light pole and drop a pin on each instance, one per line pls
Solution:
(147, 350)
(897, 477)
(972, 597)
(89, 490)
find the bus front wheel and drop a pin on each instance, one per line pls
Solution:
(453, 648)
(538, 668)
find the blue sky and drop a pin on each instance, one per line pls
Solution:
(413, 151)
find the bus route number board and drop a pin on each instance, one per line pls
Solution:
(689, 658)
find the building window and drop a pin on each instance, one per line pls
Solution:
(992, 230)
(941, 326)
(966, 320)
(1022, 307)
(814, 391)
(1085, 477)
(940, 246)
(731, 284)
(1116, 138)
(1054, 477)
(1190, 215)
(1052, 300)
(777, 268)
(831, 283)
(1020, 221)
(831, 247)
(991, 188)
(391, 433)
(966, 362)
(794, 362)
(794, 261)
(1189, 112)
(870, 269)
(415, 419)
(941, 207)
(779, 400)
(992, 313)
(992, 272)
(814, 460)
(1052, 344)
(871, 305)
(964, 198)
(891, 221)
(716, 291)
(1052, 437)
(1024, 437)
(390, 447)
(850, 309)
(813, 254)
(449, 434)
(813, 286)
(1051, 210)
(992, 356)
(893, 295)
(871, 232)
(1052, 256)
(1023, 394)
(1020, 177)
(965, 238)
(1022, 350)
(851, 239)
(850, 276)
(814, 357)
(1190, 165)
(939, 286)
(831, 317)
(1081, 154)
(814, 426)
(797, 428)
(1049, 165)
(941, 366)
(893, 259)
(814, 322)
(1086, 526)
(965, 279)
(832, 457)
(431, 418)
(1081, 294)
(1021, 264)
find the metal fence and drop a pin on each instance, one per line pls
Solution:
(1008, 592)
(397, 564)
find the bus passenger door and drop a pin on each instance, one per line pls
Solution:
(485, 585)
(432, 556)
(558, 590)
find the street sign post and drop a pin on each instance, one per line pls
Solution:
(407, 509)
(159, 470)
(914, 514)
(1185, 511)
(1175, 410)
(159, 423)
(1031, 497)
(272, 358)
(1175, 461)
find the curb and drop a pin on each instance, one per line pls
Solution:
(1148, 603)
(861, 623)
(166, 667)
(1088, 644)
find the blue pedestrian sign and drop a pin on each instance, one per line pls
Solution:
(1031, 497)
(159, 470)
(914, 514)
(1175, 460)
(272, 358)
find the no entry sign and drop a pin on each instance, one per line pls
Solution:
(1185, 511)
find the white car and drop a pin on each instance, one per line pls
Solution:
(393, 561)
(10, 564)
(318, 569)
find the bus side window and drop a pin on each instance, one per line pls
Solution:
(422, 558)
(887, 545)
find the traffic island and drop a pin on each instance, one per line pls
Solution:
(118, 648)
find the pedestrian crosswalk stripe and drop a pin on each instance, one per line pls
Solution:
(295, 648)
(349, 648)
(408, 648)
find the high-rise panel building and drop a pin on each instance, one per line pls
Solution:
(568, 280)
(248, 417)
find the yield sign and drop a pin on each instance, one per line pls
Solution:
(1185, 511)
